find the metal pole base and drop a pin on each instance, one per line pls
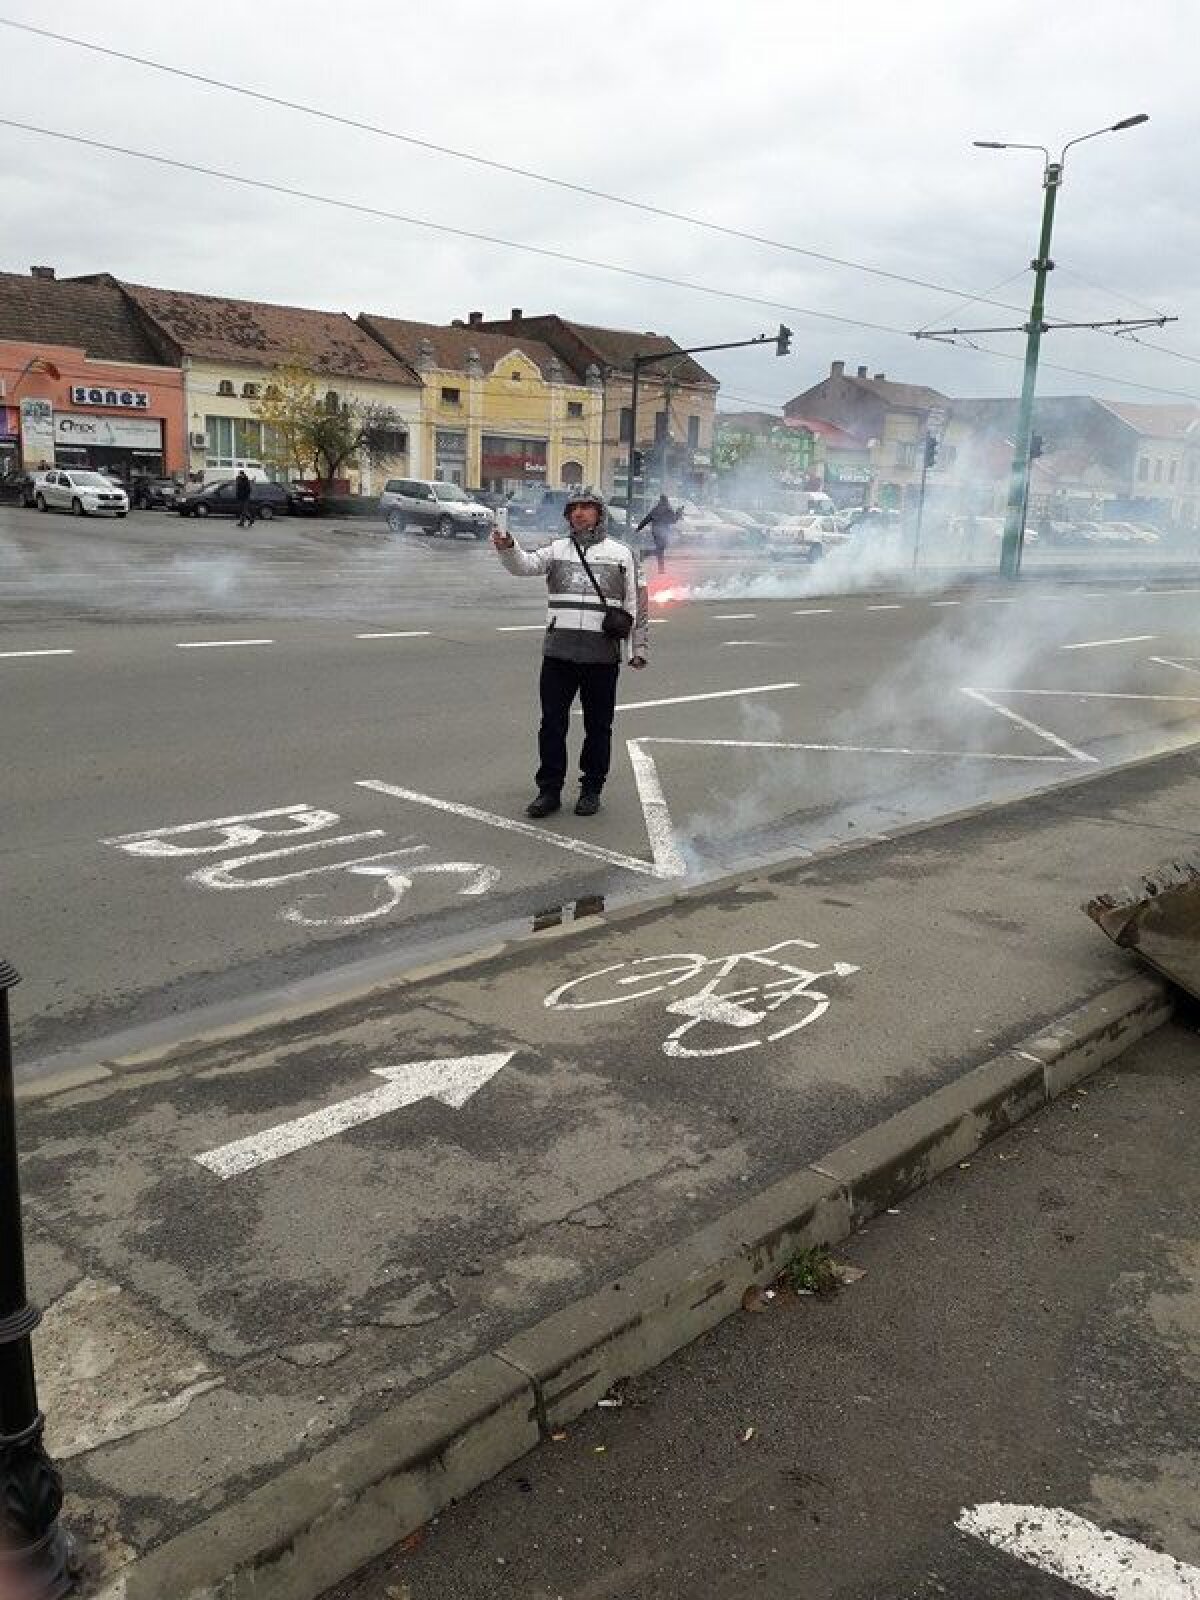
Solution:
(37, 1558)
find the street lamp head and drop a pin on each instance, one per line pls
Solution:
(1129, 122)
(988, 144)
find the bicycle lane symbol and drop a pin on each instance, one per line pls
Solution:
(782, 993)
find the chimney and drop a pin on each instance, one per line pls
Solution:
(879, 378)
(41, 272)
(516, 313)
(474, 318)
(836, 369)
(862, 372)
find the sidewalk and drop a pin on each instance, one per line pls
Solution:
(227, 1346)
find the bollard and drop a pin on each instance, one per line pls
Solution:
(36, 1558)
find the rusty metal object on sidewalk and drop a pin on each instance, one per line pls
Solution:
(1159, 918)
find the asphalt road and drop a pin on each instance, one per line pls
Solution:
(1025, 1333)
(238, 762)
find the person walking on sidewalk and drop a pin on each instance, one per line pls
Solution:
(243, 489)
(598, 613)
(661, 519)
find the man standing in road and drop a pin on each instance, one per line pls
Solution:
(598, 614)
(661, 519)
(242, 491)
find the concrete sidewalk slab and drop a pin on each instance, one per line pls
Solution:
(694, 1090)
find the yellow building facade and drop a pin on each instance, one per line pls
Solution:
(499, 412)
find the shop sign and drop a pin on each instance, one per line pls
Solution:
(37, 432)
(701, 458)
(114, 433)
(83, 394)
(844, 473)
(10, 423)
(513, 458)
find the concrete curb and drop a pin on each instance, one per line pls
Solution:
(321, 1520)
(78, 1067)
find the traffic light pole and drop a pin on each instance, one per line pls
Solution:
(921, 502)
(1018, 488)
(782, 340)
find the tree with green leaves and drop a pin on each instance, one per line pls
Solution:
(322, 435)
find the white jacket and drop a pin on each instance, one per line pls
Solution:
(573, 604)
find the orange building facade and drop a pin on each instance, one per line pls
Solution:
(60, 407)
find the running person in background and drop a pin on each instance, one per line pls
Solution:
(661, 519)
(578, 657)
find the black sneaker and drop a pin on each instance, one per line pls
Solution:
(543, 804)
(588, 803)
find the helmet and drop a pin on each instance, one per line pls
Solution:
(586, 497)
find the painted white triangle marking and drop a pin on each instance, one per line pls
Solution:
(1070, 1547)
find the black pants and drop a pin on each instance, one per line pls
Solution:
(660, 552)
(595, 682)
(246, 513)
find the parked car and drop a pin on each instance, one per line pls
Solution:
(82, 493)
(220, 500)
(20, 488)
(302, 501)
(432, 506)
(807, 537)
(147, 494)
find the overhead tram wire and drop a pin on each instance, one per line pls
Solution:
(542, 251)
(646, 207)
(512, 170)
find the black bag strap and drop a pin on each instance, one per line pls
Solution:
(603, 598)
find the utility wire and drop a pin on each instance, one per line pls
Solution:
(531, 249)
(646, 207)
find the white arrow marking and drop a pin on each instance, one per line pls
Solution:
(1070, 1547)
(452, 1081)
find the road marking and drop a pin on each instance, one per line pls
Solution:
(885, 608)
(1072, 1548)
(219, 644)
(945, 602)
(735, 616)
(1095, 644)
(14, 655)
(816, 611)
(1006, 600)
(579, 847)
(234, 830)
(668, 857)
(412, 634)
(1148, 593)
(860, 749)
(1164, 661)
(1099, 694)
(452, 1081)
(983, 698)
(523, 627)
(713, 694)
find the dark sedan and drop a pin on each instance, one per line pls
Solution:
(148, 494)
(268, 500)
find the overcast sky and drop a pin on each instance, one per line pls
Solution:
(845, 129)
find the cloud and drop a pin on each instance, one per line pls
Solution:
(847, 132)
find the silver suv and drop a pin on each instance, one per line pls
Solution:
(433, 507)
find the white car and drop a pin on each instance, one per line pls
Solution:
(83, 494)
(808, 537)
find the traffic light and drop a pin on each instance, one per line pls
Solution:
(783, 340)
(1036, 446)
(931, 450)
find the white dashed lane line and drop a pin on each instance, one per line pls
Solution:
(413, 633)
(735, 616)
(529, 627)
(1095, 644)
(885, 608)
(24, 655)
(219, 644)
(817, 611)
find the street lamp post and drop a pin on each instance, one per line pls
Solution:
(1018, 488)
(35, 1553)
